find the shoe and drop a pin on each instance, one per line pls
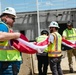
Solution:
(71, 70)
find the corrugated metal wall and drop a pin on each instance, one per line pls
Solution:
(27, 22)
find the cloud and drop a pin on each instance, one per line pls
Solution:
(48, 3)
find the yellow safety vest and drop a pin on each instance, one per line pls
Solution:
(7, 53)
(71, 34)
(42, 38)
(54, 49)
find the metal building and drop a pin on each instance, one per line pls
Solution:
(27, 23)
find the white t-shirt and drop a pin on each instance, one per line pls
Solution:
(51, 38)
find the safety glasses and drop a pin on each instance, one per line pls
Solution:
(13, 18)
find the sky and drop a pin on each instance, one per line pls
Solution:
(31, 5)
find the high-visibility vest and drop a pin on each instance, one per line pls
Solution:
(54, 49)
(71, 34)
(41, 39)
(7, 53)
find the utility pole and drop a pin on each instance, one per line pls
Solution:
(0, 8)
(38, 17)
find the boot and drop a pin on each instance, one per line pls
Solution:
(71, 70)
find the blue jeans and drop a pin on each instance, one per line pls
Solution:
(55, 65)
(9, 68)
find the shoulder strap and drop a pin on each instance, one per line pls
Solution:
(56, 39)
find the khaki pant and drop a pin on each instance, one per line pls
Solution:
(70, 53)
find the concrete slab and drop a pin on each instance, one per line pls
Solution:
(64, 65)
(26, 68)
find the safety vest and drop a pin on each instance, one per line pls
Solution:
(7, 53)
(41, 39)
(71, 34)
(54, 49)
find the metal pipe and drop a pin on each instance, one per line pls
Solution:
(38, 18)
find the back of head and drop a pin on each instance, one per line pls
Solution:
(9, 10)
(54, 24)
(44, 32)
(69, 23)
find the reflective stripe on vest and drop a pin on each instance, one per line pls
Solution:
(6, 48)
(55, 47)
(7, 53)
(54, 52)
(71, 34)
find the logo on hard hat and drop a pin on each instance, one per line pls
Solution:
(54, 24)
(8, 9)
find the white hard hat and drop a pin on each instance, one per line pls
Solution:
(9, 10)
(54, 24)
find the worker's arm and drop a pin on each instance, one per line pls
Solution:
(4, 35)
(8, 36)
(64, 35)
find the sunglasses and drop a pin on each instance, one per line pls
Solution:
(69, 25)
(52, 27)
(11, 17)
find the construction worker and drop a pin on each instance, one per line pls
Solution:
(10, 59)
(42, 57)
(70, 34)
(54, 49)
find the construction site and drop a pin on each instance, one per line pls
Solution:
(32, 23)
(27, 23)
